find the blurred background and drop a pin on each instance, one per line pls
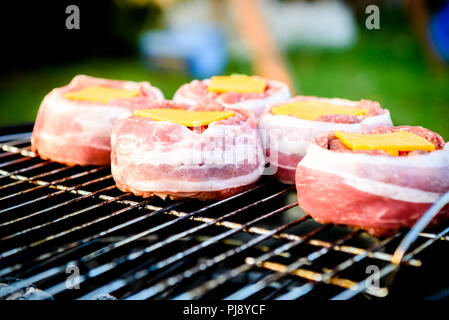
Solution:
(325, 48)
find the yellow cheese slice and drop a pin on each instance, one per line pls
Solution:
(100, 94)
(237, 83)
(312, 109)
(392, 142)
(187, 118)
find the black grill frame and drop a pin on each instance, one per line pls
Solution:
(254, 245)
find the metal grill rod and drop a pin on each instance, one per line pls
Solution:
(305, 274)
(110, 199)
(15, 161)
(106, 267)
(16, 136)
(282, 287)
(6, 174)
(345, 295)
(332, 249)
(414, 232)
(18, 142)
(70, 248)
(46, 224)
(71, 201)
(10, 148)
(10, 153)
(195, 293)
(163, 285)
(54, 184)
(170, 239)
(117, 201)
(213, 283)
(261, 284)
(227, 224)
(255, 230)
(53, 271)
(431, 236)
(212, 240)
(32, 167)
(65, 232)
(399, 253)
(328, 275)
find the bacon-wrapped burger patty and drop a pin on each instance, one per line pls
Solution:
(74, 123)
(381, 180)
(176, 150)
(242, 92)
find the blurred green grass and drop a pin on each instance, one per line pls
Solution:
(385, 65)
(22, 93)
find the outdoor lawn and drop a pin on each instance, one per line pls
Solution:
(385, 65)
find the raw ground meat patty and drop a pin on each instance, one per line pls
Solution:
(286, 137)
(371, 189)
(78, 131)
(165, 158)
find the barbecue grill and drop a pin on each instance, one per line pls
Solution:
(71, 233)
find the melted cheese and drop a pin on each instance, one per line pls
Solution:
(187, 118)
(237, 83)
(312, 109)
(101, 94)
(392, 142)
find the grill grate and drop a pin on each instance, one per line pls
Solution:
(255, 245)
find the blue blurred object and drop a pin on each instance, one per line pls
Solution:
(439, 32)
(200, 50)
